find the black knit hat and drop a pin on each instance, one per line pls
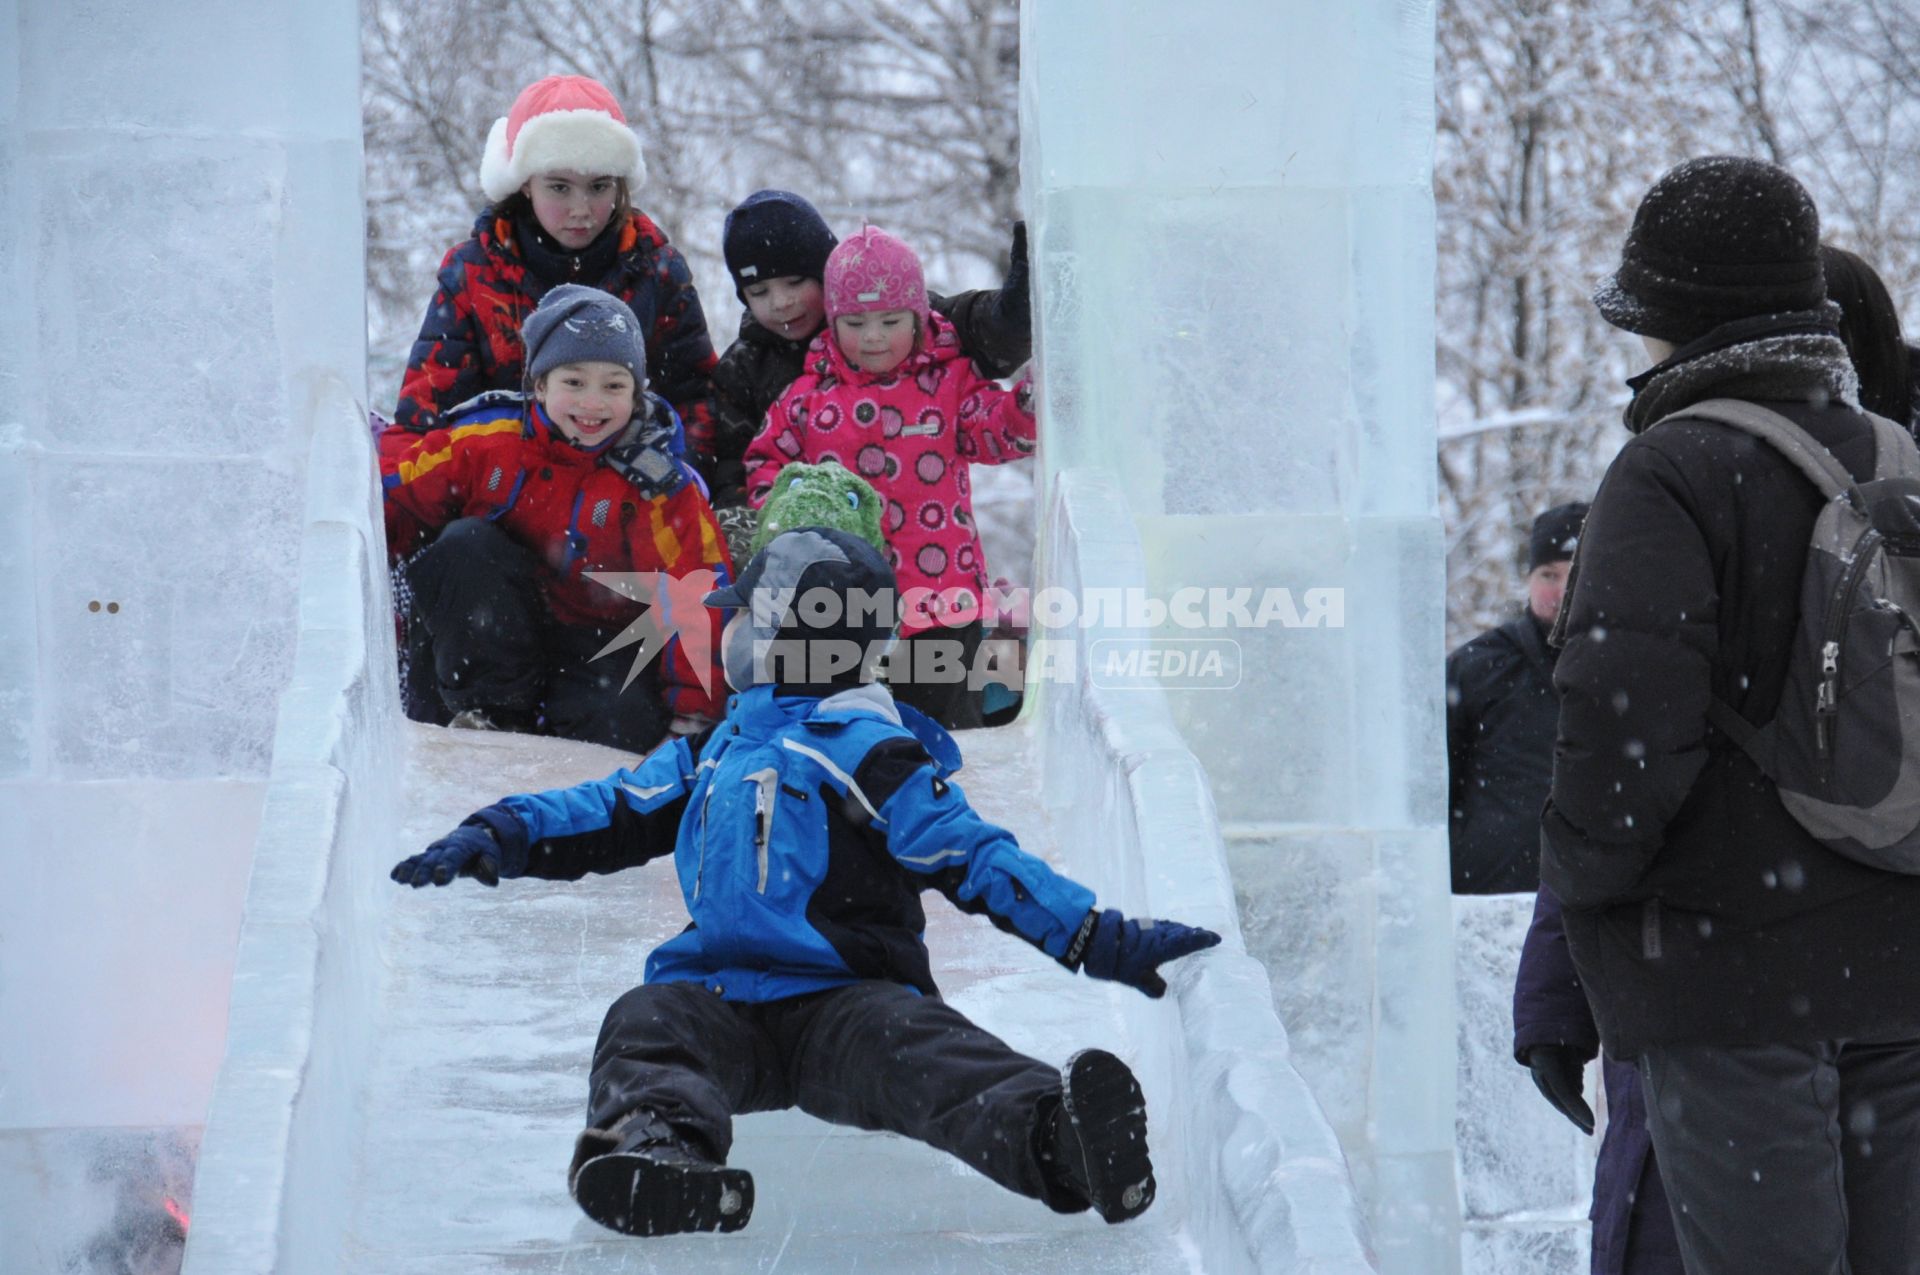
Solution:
(775, 234)
(1716, 239)
(1555, 533)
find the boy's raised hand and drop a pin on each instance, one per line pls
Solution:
(1015, 304)
(477, 849)
(1131, 952)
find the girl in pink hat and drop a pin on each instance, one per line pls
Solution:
(560, 171)
(888, 393)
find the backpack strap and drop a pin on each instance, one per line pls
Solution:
(1757, 742)
(1894, 452)
(1798, 446)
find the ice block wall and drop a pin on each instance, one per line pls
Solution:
(1233, 234)
(181, 258)
(1526, 1174)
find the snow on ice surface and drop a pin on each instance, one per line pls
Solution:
(487, 1032)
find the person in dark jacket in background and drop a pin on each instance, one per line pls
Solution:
(1501, 712)
(1553, 1031)
(1765, 984)
(1870, 326)
(776, 246)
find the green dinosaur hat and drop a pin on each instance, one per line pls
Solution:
(823, 495)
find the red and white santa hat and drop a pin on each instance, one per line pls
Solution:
(562, 122)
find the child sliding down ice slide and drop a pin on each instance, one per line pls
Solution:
(804, 826)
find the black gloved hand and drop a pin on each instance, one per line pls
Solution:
(1112, 947)
(490, 844)
(1560, 1075)
(1015, 306)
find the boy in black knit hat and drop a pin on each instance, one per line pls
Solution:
(776, 246)
(1501, 711)
(1764, 982)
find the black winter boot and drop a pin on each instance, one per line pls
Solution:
(640, 1178)
(1099, 1145)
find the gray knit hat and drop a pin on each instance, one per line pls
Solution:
(575, 324)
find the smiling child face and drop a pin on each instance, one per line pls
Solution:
(587, 402)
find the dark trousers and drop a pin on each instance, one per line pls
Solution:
(1632, 1220)
(480, 636)
(929, 672)
(1790, 1159)
(872, 1055)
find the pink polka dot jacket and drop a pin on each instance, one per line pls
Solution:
(911, 433)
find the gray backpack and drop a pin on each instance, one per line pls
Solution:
(1844, 744)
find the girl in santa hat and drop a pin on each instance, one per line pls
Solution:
(560, 171)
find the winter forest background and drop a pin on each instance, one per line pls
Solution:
(1553, 118)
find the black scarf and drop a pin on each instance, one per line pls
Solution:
(1767, 358)
(552, 264)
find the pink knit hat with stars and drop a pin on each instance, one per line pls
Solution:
(874, 271)
(562, 122)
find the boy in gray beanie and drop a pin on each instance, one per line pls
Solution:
(574, 324)
(528, 511)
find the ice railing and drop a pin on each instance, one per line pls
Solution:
(307, 976)
(1130, 801)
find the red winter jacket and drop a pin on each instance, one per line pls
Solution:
(911, 433)
(504, 463)
(470, 340)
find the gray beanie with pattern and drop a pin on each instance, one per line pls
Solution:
(575, 324)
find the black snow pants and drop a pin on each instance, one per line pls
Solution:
(480, 636)
(1790, 1159)
(873, 1055)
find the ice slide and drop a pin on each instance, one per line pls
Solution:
(405, 1071)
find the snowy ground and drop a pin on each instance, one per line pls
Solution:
(488, 1027)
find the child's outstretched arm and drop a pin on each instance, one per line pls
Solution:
(996, 425)
(995, 325)
(603, 825)
(934, 834)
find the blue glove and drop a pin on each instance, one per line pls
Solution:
(1131, 952)
(491, 844)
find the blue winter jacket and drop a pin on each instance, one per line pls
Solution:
(803, 829)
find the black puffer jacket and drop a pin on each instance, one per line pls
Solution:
(1697, 909)
(757, 368)
(1501, 714)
